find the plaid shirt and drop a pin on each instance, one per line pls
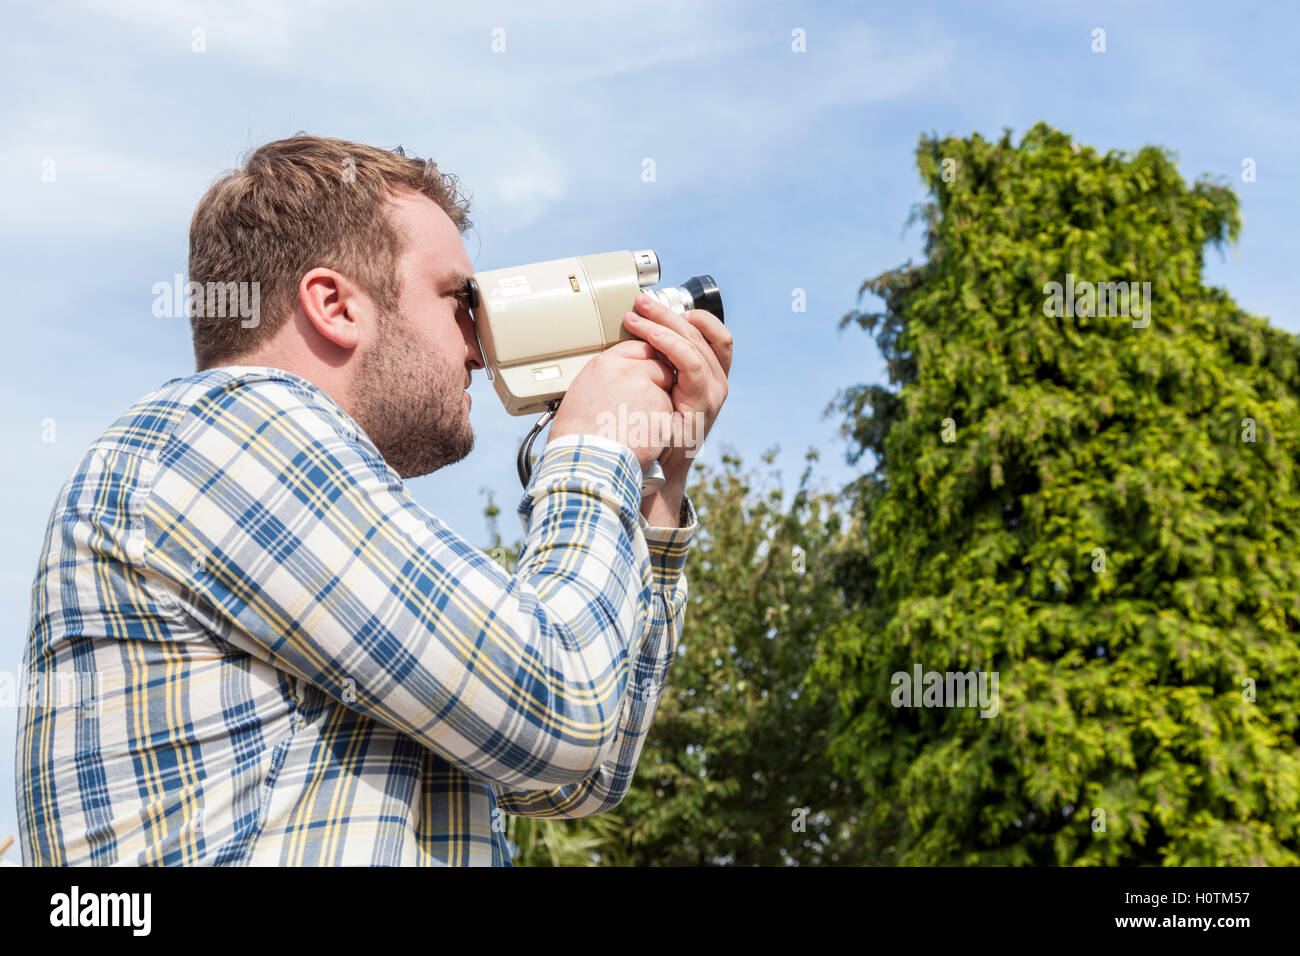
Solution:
(249, 645)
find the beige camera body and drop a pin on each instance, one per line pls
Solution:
(539, 324)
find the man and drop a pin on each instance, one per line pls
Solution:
(281, 658)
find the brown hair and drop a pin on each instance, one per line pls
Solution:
(297, 204)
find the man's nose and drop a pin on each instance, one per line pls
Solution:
(472, 351)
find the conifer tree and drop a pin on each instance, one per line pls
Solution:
(1092, 496)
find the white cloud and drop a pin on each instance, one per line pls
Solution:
(264, 31)
(517, 178)
(97, 188)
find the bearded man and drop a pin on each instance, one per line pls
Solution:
(281, 658)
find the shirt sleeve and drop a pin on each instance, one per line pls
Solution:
(288, 536)
(605, 788)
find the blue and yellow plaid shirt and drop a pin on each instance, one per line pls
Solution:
(249, 644)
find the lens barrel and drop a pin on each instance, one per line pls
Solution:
(705, 295)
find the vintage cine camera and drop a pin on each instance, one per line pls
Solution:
(539, 324)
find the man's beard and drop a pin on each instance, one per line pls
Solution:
(410, 403)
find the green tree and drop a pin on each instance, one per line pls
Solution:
(1100, 508)
(736, 769)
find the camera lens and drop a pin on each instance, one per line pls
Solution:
(704, 293)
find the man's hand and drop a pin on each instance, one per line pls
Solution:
(699, 347)
(631, 374)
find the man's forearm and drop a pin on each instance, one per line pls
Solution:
(663, 509)
(605, 788)
(608, 785)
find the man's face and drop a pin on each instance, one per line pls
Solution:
(411, 397)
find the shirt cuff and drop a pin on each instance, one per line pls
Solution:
(668, 546)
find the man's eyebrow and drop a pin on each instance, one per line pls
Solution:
(456, 279)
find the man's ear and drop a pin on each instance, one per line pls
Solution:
(335, 306)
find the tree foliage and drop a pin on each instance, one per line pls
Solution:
(1102, 512)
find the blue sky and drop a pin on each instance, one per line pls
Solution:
(775, 171)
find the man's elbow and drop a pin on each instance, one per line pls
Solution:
(591, 797)
(600, 802)
(559, 760)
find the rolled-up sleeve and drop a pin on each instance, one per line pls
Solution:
(605, 788)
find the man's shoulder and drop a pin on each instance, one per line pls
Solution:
(245, 396)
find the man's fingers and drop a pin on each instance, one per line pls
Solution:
(649, 311)
(694, 374)
(661, 373)
(633, 349)
(715, 333)
(644, 354)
